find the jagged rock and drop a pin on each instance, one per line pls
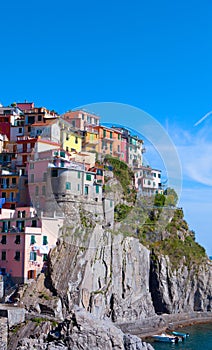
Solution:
(109, 281)
(181, 289)
(81, 331)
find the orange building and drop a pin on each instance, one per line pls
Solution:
(109, 141)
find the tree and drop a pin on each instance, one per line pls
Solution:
(159, 200)
(171, 197)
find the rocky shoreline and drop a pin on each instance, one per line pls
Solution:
(149, 326)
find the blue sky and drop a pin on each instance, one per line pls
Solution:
(156, 56)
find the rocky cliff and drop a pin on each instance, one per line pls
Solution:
(147, 264)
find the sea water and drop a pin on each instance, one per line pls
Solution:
(200, 339)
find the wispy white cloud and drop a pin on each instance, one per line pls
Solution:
(194, 147)
(203, 118)
(195, 150)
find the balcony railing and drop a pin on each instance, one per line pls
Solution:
(8, 186)
(32, 230)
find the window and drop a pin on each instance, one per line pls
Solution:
(29, 128)
(20, 130)
(62, 163)
(39, 118)
(111, 147)
(5, 226)
(154, 174)
(32, 240)
(88, 177)
(111, 135)
(119, 137)
(97, 188)
(159, 175)
(78, 187)
(43, 190)
(18, 239)
(68, 185)
(44, 176)
(73, 123)
(3, 255)
(54, 173)
(14, 180)
(4, 239)
(20, 226)
(78, 175)
(45, 240)
(111, 203)
(76, 139)
(31, 165)
(34, 223)
(104, 133)
(17, 256)
(33, 256)
(32, 178)
(36, 190)
(86, 190)
(3, 194)
(45, 257)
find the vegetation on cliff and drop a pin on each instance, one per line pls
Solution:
(124, 175)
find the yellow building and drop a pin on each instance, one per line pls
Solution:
(90, 140)
(71, 141)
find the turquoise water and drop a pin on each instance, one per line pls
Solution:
(200, 339)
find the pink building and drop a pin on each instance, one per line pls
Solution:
(25, 241)
(81, 119)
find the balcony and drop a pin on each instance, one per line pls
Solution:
(32, 230)
(108, 139)
(11, 200)
(91, 130)
(4, 186)
(91, 142)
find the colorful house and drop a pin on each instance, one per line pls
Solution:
(109, 141)
(90, 140)
(9, 181)
(24, 245)
(81, 119)
(148, 180)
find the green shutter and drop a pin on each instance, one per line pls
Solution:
(88, 177)
(32, 241)
(68, 185)
(45, 257)
(97, 189)
(45, 240)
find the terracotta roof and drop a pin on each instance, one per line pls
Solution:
(48, 141)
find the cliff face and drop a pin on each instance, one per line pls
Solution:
(111, 280)
(183, 289)
(121, 280)
(115, 276)
(111, 276)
